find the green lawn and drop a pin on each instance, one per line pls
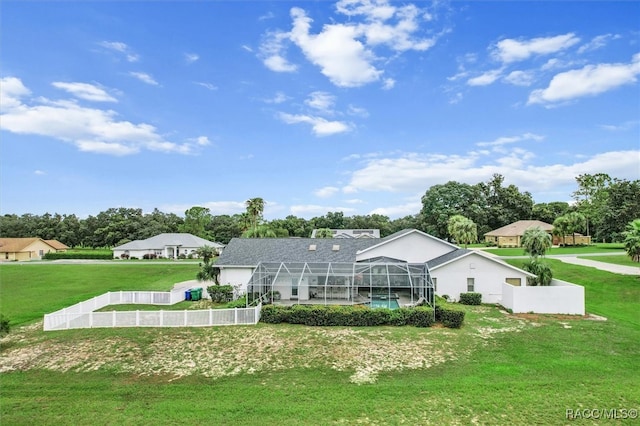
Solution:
(577, 250)
(28, 291)
(621, 259)
(497, 369)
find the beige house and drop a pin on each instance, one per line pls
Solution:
(511, 235)
(28, 248)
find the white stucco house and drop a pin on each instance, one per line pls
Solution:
(407, 267)
(169, 245)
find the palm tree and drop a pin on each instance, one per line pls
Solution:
(536, 241)
(206, 253)
(463, 230)
(255, 207)
(576, 222)
(541, 270)
(632, 240)
(262, 231)
(561, 227)
(324, 233)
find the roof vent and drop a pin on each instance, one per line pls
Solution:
(336, 247)
(312, 247)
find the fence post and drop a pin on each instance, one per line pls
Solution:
(113, 319)
(210, 316)
(91, 319)
(185, 317)
(235, 316)
(137, 318)
(161, 318)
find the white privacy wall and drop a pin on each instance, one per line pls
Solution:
(560, 297)
(236, 276)
(489, 276)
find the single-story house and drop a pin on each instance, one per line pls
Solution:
(168, 245)
(352, 233)
(511, 235)
(28, 248)
(408, 267)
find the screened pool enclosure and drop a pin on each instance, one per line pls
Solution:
(331, 283)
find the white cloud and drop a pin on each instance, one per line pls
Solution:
(504, 140)
(414, 172)
(489, 77)
(627, 125)
(326, 192)
(321, 101)
(598, 42)
(278, 98)
(86, 91)
(588, 81)
(206, 85)
(271, 52)
(520, 78)
(345, 52)
(39, 172)
(144, 77)
(388, 83)
(191, 57)
(320, 126)
(511, 50)
(357, 111)
(89, 129)
(120, 47)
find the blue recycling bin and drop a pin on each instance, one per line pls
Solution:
(187, 295)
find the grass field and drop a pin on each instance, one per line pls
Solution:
(28, 291)
(577, 250)
(497, 369)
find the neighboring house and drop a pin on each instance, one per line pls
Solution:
(27, 248)
(408, 266)
(352, 233)
(572, 240)
(57, 245)
(168, 246)
(511, 235)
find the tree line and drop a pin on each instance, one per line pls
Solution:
(607, 204)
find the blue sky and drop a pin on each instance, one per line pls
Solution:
(314, 106)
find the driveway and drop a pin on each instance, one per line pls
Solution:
(610, 267)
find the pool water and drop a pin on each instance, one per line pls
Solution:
(389, 304)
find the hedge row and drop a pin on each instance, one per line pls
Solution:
(360, 316)
(63, 255)
(449, 316)
(470, 298)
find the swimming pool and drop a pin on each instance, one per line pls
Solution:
(388, 303)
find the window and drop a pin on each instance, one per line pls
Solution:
(435, 283)
(471, 283)
(294, 288)
(514, 281)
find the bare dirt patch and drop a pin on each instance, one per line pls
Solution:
(216, 352)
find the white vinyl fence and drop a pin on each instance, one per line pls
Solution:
(560, 297)
(82, 315)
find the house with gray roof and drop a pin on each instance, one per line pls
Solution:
(168, 245)
(405, 268)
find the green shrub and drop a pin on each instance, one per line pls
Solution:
(220, 293)
(449, 316)
(470, 298)
(63, 255)
(354, 316)
(240, 302)
(4, 325)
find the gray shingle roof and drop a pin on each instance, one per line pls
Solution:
(251, 251)
(447, 257)
(168, 239)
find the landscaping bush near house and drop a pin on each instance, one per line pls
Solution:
(449, 316)
(220, 293)
(470, 298)
(355, 316)
(63, 255)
